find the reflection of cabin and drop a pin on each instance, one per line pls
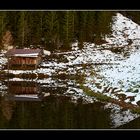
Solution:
(25, 91)
(23, 87)
(33, 97)
(24, 58)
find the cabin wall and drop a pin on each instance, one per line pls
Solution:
(25, 61)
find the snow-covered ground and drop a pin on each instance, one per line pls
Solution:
(118, 116)
(105, 71)
(124, 29)
(124, 73)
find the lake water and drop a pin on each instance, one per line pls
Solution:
(53, 113)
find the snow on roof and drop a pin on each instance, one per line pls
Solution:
(23, 52)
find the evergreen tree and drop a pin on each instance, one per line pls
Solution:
(102, 23)
(51, 28)
(3, 22)
(35, 26)
(23, 30)
(90, 26)
(68, 28)
(82, 22)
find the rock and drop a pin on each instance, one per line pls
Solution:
(138, 103)
(132, 98)
(46, 52)
(46, 94)
(129, 41)
(121, 96)
(129, 90)
(115, 90)
(135, 91)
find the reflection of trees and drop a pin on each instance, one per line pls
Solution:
(58, 112)
(54, 112)
(62, 113)
(7, 108)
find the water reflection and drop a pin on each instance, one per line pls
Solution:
(56, 112)
(7, 108)
(22, 91)
(27, 105)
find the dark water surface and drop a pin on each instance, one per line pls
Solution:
(52, 113)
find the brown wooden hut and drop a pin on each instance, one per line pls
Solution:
(24, 58)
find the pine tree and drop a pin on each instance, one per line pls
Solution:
(82, 22)
(102, 25)
(23, 30)
(51, 28)
(68, 28)
(35, 27)
(90, 30)
(2, 22)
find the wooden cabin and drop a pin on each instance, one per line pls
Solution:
(24, 58)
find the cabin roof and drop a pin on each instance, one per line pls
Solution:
(23, 52)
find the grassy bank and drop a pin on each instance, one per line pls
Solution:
(107, 99)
